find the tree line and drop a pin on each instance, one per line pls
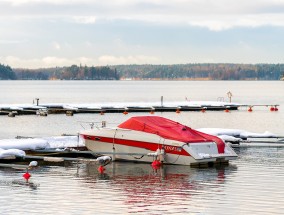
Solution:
(204, 71)
(73, 72)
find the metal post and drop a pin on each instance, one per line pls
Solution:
(37, 101)
(162, 100)
(230, 96)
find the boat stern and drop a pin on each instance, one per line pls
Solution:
(208, 152)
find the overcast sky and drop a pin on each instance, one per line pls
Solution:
(49, 33)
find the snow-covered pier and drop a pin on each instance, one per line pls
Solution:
(123, 107)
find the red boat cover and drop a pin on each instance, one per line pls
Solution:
(170, 130)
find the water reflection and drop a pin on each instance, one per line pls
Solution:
(143, 186)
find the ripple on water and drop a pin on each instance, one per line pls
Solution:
(253, 184)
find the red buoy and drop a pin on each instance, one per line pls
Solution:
(125, 112)
(102, 113)
(177, 111)
(156, 164)
(275, 109)
(152, 112)
(101, 169)
(227, 111)
(203, 110)
(250, 109)
(27, 176)
(272, 108)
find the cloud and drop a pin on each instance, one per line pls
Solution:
(114, 60)
(219, 23)
(85, 19)
(215, 15)
(24, 2)
(51, 61)
(12, 41)
(45, 62)
(95, 32)
(56, 46)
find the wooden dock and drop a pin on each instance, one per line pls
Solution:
(70, 110)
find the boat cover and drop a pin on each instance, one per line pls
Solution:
(169, 129)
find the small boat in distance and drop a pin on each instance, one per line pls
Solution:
(141, 138)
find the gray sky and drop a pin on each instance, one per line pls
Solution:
(49, 33)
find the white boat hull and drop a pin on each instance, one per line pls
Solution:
(124, 144)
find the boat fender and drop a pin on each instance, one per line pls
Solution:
(103, 160)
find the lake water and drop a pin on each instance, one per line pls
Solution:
(252, 184)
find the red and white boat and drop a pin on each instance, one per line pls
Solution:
(144, 137)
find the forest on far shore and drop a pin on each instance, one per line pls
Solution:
(204, 71)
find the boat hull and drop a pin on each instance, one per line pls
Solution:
(123, 144)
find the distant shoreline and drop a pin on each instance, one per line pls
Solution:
(148, 72)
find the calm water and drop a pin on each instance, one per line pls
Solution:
(253, 184)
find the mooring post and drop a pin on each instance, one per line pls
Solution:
(37, 101)
(230, 96)
(162, 100)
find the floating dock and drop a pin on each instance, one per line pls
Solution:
(100, 108)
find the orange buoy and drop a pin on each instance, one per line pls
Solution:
(272, 108)
(177, 111)
(152, 112)
(227, 111)
(125, 112)
(250, 109)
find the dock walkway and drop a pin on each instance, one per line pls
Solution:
(101, 108)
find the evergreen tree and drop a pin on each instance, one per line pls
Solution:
(6, 73)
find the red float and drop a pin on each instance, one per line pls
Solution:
(156, 164)
(250, 109)
(125, 112)
(27, 176)
(177, 111)
(272, 108)
(101, 169)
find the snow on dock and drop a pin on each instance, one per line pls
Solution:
(24, 144)
(11, 152)
(16, 147)
(236, 133)
(117, 107)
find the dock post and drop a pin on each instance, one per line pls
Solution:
(162, 100)
(113, 153)
(230, 96)
(37, 101)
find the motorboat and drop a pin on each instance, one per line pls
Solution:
(144, 138)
